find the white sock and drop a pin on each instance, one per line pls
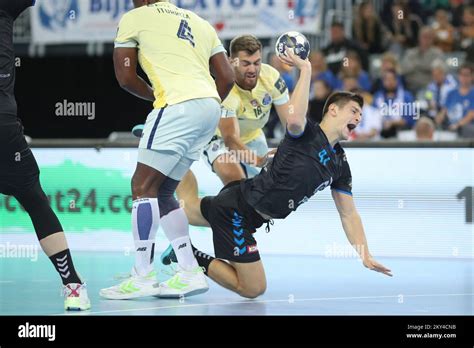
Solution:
(176, 227)
(145, 223)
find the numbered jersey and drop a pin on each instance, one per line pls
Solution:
(252, 108)
(174, 48)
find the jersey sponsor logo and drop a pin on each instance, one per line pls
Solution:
(267, 99)
(281, 85)
(252, 248)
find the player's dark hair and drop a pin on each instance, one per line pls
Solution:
(247, 43)
(341, 99)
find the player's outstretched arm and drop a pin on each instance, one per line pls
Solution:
(295, 114)
(223, 72)
(125, 64)
(352, 224)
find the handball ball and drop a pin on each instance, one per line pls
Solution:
(295, 40)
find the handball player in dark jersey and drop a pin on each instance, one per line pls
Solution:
(19, 173)
(308, 160)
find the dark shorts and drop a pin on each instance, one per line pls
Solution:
(233, 224)
(18, 168)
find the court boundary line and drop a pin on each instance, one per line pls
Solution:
(259, 301)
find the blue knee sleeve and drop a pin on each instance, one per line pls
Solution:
(166, 199)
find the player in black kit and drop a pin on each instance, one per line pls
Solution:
(308, 160)
(19, 173)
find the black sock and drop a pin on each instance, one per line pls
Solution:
(203, 259)
(62, 261)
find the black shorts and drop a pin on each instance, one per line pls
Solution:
(18, 168)
(233, 223)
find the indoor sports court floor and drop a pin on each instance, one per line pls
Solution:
(297, 285)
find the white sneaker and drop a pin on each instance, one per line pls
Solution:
(184, 283)
(75, 297)
(133, 287)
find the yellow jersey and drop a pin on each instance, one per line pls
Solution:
(252, 108)
(174, 47)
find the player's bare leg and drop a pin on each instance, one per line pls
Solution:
(76, 297)
(246, 279)
(146, 182)
(154, 204)
(226, 168)
(53, 241)
(187, 192)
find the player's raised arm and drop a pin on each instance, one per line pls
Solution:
(352, 224)
(223, 73)
(125, 64)
(295, 115)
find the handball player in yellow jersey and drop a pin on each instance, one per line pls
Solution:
(178, 51)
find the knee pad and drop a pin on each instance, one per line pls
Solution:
(36, 204)
(166, 200)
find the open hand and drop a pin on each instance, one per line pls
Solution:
(373, 265)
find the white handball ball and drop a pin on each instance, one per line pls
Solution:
(292, 39)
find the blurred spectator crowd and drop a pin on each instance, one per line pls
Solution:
(413, 63)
